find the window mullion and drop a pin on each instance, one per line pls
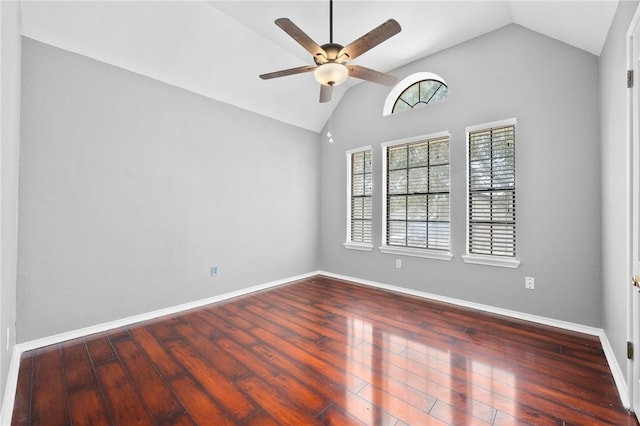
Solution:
(406, 202)
(491, 193)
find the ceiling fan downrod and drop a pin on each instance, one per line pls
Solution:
(331, 21)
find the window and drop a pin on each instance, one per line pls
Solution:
(419, 94)
(359, 203)
(416, 90)
(491, 220)
(416, 197)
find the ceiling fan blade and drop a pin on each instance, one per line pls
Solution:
(290, 71)
(300, 36)
(371, 39)
(374, 76)
(325, 93)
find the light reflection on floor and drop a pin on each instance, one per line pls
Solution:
(404, 374)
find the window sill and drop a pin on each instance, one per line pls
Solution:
(426, 253)
(358, 246)
(491, 261)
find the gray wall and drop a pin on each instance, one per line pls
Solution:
(615, 187)
(10, 146)
(552, 89)
(130, 190)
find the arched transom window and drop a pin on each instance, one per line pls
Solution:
(420, 93)
(415, 91)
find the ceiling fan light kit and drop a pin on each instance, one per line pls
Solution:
(331, 67)
(331, 74)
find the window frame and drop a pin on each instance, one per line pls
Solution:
(403, 85)
(483, 259)
(349, 244)
(411, 251)
(399, 100)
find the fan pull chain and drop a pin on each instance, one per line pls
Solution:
(329, 133)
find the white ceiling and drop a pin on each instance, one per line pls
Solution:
(218, 48)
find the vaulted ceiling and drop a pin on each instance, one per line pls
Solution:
(218, 48)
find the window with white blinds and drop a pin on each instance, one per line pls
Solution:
(492, 190)
(416, 189)
(359, 201)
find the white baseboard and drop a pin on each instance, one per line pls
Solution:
(616, 371)
(12, 379)
(459, 302)
(69, 335)
(10, 389)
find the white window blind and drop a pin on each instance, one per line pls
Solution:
(417, 194)
(492, 192)
(360, 203)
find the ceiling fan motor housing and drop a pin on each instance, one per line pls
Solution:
(332, 50)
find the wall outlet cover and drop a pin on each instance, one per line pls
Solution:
(529, 283)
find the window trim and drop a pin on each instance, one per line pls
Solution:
(483, 259)
(397, 90)
(410, 251)
(348, 244)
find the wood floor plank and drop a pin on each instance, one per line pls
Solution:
(451, 416)
(228, 313)
(180, 419)
(123, 402)
(201, 408)
(49, 400)
(86, 403)
(219, 325)
(274, 328)
(300, 394)
(118, 334)
(226, 364)
(334, 416)
(218, 387)
(370, 409)
(78, 369)
(162, 360)
(322, 351)
(370, 413)
(86, 407)
(261, 418)
(22, 402)
(158, 397)
(99, 348)
(309, 360)
(320, 383)
(163, 330)
(274, 402)
(283, 320)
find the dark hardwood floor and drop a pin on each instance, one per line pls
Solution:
(322, 351)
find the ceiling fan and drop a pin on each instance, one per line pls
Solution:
(330, 59)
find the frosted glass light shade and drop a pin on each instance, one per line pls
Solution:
(331, 74)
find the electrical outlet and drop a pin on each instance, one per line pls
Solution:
(529, 283)
(214, 271)
(398, 263)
